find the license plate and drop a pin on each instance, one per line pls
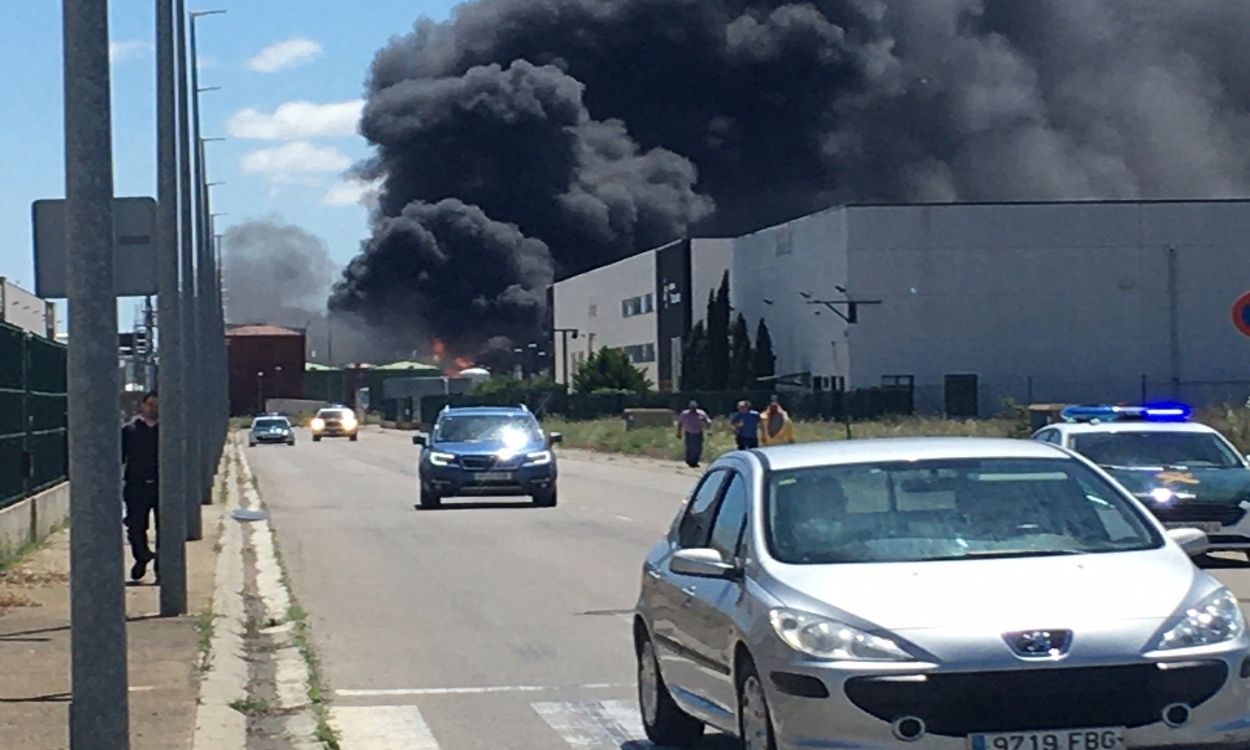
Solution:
(1211, 527)
(1107, 738)
(495, 476)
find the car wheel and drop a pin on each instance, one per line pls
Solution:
(429, 500)
(755, 723)
(316, 438)
(353, 438)
(546, 499)
(665, 723)
(251, 445)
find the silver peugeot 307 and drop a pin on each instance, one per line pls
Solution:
(934, 593)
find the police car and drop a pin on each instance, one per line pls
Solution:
(1186, 473)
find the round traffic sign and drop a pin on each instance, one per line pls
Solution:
(1241, 313)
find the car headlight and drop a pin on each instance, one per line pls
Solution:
(318, 424)
(538, 458)
(442, 459)
(349, 422)
(829, 639)
(1216, 619)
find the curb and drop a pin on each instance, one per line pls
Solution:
(217, 725)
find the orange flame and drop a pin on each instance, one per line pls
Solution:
(438, 349)
(463, 363)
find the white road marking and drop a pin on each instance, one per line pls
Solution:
(382, 728)
(404, 692)
(626, 519)
(597, 725)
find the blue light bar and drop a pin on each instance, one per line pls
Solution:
(1163, 412)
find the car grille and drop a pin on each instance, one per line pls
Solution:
(1223, 513)
(478, 463)
(958, 704)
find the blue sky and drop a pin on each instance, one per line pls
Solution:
(278, 161)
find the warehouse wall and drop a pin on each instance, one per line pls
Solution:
(1066, 302)
(772, 268)
(591, 303)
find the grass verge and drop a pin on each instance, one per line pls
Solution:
(610, 435)
(15, 557)
(316, 688)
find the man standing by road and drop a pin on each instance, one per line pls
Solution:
(140, 441)
(776, 427)
(746, 426)
(690, 426)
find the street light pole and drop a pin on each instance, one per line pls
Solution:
(192, 328)
(260, 391)
(171, 529)
(99, 714)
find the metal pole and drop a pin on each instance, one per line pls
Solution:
(192, 365)
(171, 527)
(203, 293)
(99, 715)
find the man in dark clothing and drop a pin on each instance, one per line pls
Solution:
(140, 444)
(746, 426)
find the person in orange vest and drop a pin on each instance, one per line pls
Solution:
(776, 427)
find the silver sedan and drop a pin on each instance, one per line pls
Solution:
(945, 593)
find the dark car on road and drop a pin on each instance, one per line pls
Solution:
(270, 428)
(487, 451)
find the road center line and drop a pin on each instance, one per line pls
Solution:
(402, 692)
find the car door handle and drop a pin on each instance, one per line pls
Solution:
(689, 591)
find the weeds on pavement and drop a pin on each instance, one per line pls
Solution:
(251, 706)
(205, 624)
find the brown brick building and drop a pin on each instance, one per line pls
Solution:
(265, 362)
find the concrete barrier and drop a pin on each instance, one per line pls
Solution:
(34, 519)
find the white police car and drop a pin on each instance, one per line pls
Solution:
(1186, 473)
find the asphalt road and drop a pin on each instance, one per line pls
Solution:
(488, 624)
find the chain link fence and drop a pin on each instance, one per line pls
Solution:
(33, 449)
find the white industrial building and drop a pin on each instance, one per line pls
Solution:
(971, 303)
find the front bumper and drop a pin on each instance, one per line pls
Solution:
(862, 704)
(450, 481)
(1232, 533)
(335, 431)
(273, 438)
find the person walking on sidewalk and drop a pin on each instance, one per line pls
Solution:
(690, 426)
(140, 442)
(746, 426)
(776, 427)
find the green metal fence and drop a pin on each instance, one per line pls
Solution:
(33, 449)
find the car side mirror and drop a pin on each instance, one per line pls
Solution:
(702, 563)
(555, 438)
(1193, 541)
(420, 439)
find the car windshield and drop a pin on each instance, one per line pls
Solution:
(1197, 450)
(948, 510)
(265, 424)
(480, 428)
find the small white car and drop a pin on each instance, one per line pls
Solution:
(1186, 473)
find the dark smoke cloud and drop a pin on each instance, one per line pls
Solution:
(600, 127)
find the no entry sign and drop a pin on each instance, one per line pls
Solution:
(1241, 313)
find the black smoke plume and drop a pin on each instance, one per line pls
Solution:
(596, 128)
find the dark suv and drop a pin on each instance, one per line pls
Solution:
(487, 451)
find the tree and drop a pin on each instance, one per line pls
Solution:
(741, 373)
(610, 370)
(718, 337)
(694, 359)
(763, 361)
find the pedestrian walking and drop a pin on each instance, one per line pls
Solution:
(690, 426)
(140, 442)
(746, 426)
(776, 427)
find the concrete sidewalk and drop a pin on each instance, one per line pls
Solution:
(34, 650)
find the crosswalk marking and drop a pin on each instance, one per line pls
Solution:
(593, 724)
(382, 728)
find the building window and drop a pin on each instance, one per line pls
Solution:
(638, 305)
(594, 311)
(641, 353)
(898, 381)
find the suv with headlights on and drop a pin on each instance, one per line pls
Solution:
(487, 451)
(334, 421)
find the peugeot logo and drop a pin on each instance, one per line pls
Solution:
(1039, 644)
